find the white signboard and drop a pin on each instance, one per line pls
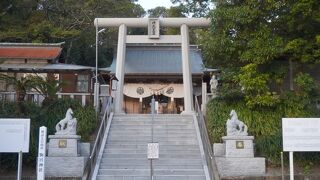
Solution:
(301, 134)
(41, 153)
(153, 150)
(14, 135)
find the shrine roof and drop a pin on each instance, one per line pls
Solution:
(160, 60)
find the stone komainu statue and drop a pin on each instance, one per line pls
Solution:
(235, 127)
(68, 125)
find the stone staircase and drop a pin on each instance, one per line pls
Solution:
(125, 152)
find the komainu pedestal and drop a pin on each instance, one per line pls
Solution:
(235, 156)
(66, 155)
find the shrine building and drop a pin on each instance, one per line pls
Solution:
(157, 70)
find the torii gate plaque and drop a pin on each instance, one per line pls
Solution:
(153, 36)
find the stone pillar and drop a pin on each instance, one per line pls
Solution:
(121, 56)
(186, 70)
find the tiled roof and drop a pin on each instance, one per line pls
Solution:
(29, 51)
(159, 60)
(43, 67)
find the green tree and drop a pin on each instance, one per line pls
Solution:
(47, 87)
(157, 12)
(20, 85)
(257, 39)
(173, 11)
(69, 21)
(195, 8)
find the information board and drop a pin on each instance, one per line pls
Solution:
(14, 135)
(301, 134)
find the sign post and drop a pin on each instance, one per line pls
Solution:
(41, 153)
(153, 148)
(15, 134)
(300, 135)
(291, 165)
(19, 165)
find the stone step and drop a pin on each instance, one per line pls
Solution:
(155, 116)
(144, 161)
(125, 153)
(147, 166)
(148, 136)
(129, 132)
(155, 121)
(149, 123)
(177, 127)
(144, 155)
(190, 177)
(144, 147)
(146, 172)
(177, 118)
(141, 151)
(147, 139)
(142, 142)
(149, 119)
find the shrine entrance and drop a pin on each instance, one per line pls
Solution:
(153, 37)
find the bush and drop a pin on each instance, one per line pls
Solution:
(264, 123)
(86, 116)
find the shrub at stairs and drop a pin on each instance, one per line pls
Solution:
(86, 116)
(263, 122)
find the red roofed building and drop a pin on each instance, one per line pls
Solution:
(14, 52)
(20, 59)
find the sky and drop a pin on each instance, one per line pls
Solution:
(150, 4)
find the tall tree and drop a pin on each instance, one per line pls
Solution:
(157, 12)
(163, 12)
(20, 85)
(71, 21)
(195, 8)
(254, 40)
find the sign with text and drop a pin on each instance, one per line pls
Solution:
(153, 150)
(153, 28)
(14, 135)
(41, 153)
(301, 134)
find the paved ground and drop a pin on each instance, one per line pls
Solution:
(272, 174)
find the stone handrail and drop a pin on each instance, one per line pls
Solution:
(91, 163)
(213, 170)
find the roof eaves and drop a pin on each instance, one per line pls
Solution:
(33, 44)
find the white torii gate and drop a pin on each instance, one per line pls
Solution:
(153, 25)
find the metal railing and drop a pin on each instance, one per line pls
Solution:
(90, 165)
(213, 171)
(38, 98)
